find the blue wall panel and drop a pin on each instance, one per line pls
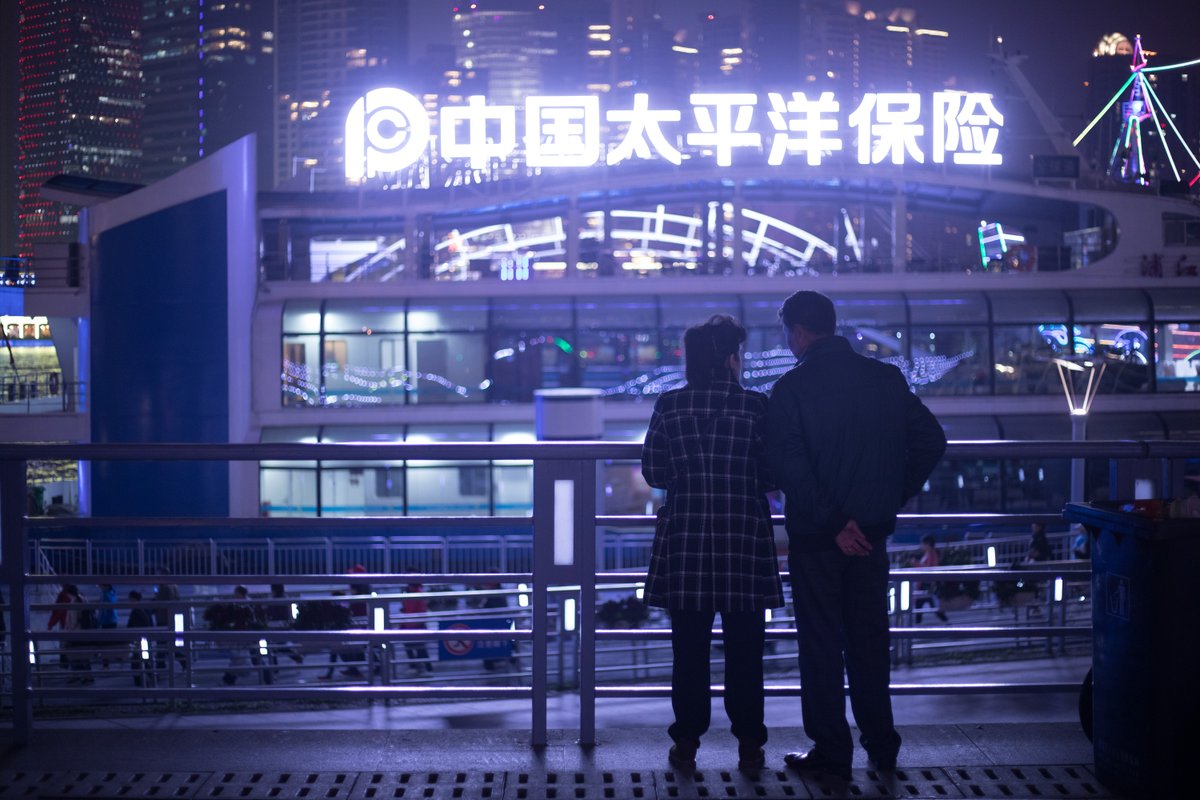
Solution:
(159, 358)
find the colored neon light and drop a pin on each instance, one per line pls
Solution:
(1154, 98)
(1166, 67)
(1103, 111)
(1158, 127)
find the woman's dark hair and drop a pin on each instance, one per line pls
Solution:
(707, 347)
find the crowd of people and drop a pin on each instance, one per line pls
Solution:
(149, 655)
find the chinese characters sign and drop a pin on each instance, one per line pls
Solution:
(388, 130)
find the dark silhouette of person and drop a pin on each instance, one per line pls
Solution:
(714, 546)
(139, 617)
(849, 444)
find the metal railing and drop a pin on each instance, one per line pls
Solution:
(564, 560)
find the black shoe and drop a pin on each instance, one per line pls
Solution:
(229, 679)
(884, 763)
(683, 755)
(814, 761)
(751, 758)
(942, 616)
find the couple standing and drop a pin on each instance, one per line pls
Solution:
(848, 444)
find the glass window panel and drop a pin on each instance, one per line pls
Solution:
(439, 489)
(305, 434)
(1110, 305)
(616, 361)
(1025, 427)
(364, 370)
(302, 316)
(466, 315)
(1049, 306)
(938, 307)
(1025, 359)
(970, 428)
(287, 492)
(1126, 353)
(301, 384)
(1179, 357)
(447, 368)
(1033, 485)
(950, 361)
(765, 358)
(610, 312)
(357, 491)
(625, 490)
(625, 431)
(876, 310)
(354, 434)
(874, 342)
(463, 432)
(1104, 427)
(762, 310)
(521, 363)
(684, 312)
(1182, 425)
(513, 432)
(532, 314)
(359, 316)
(1180, 304)
(514, 490)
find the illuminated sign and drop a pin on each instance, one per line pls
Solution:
(389, 130)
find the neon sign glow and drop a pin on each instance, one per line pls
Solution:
(388, 130)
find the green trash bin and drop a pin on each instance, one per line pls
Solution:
(1145, 647)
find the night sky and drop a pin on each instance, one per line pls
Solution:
(1056, 35)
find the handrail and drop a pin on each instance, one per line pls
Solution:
(563, 528)
(558, 450)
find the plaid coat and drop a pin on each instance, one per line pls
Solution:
(714, 547)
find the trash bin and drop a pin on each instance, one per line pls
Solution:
(1145, 653)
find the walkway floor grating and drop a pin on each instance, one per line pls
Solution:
(1007, 782)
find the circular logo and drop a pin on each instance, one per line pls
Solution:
(396, 129)
(457, 647)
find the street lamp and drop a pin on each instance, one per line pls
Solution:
(1078, 407)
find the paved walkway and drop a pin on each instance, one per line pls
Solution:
(1016, 746)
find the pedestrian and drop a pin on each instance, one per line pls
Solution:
(928, 590)
(417, 652)
(238, 615)
(108, 612)
(139, 659)
(1039, 545)
(714, 547)
(75, 654)
(849, 444)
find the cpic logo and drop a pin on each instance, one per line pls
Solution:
(386, 131)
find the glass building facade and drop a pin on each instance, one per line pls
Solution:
(340, 353)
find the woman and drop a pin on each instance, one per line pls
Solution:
(714, 549)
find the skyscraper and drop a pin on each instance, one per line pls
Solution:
(207, 69)
(511, 41)
(9, 16)
(327, 56)
(80, 104)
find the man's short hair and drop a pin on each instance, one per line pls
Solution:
(810, 310)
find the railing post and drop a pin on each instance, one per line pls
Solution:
(564, 551)
(12, 567)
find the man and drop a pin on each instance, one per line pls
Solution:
(848, 444)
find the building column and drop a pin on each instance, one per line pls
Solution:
(571, 231)
(739, 264)
(899, 232)
(410, 245)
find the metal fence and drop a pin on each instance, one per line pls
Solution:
(563, 562)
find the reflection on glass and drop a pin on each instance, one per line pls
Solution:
(949, 361)
(1178, 357)
(1025, 360)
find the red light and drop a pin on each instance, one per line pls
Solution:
(711, 17)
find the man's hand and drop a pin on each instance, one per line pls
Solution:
(851, 541)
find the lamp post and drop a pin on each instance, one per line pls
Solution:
(1078, 407)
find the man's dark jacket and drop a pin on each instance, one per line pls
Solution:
(847, 439)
